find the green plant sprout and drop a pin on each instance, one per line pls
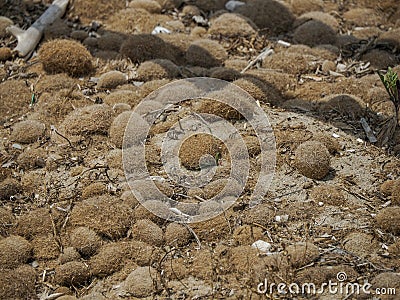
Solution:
(33, 100)
(392, 85)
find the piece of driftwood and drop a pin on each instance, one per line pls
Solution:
(266, 52)
(368, 131)
(28, 39)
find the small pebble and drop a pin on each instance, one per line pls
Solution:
(282, 219)
(262, 246)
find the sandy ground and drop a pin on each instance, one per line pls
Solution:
(70, 227)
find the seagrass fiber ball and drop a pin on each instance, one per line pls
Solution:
(389, 219)
(312, 159)
(319, 16)
(195, 147)
(157, 69)
(150, 5)
(92, 119)
(66, 56)
(27, 131)
(299, 7)
(14, 251)
(313, 33)
(231, 25)
(142, 47)
(4, 23)
(118, 126)
(269, 15)
(206, 53)
(111, 80)
(85, 240)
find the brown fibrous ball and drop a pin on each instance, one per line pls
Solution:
(395, 192)
(328, 194)
(386, 188)
(9, 187)
(18, 283)
(142, 282)
(132, 21)
(380, 59)
(196, 146)
(177, 234)
(206, 53)
(299, 7)
(27, 131)
(89, 119)
(45, 247)
(231, 25)
(117, 128)
(72, 273)
(301, 254)
(148, 232)
(36, 222)
(103, 214)
(389, 219)
(318, 16)
(14, 251)
(94, 189)
(85, 240)
(157, 69)
(67, 56)
(5, 53)
(312, 159)
(330, 143)
(269, 15)
(313, 33)
(150, 5)
(7, 221)
(111, 80)
(142, 47)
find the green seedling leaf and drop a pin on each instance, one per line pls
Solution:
(390, 81)
(217, 158)
(33, 100)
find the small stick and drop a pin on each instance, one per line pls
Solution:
(199, 198)
(53, 128)
(266, 52)
(194, 234)
(28, 39)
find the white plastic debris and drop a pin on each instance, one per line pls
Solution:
(262, 246)
(282, 219)
(160, 29)
(178, 212)
(232, 5)
(360, 140)
(199, 20)
(341, 67)
(284, 43)
(35, 264)
(7, 164)
(335, 135)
